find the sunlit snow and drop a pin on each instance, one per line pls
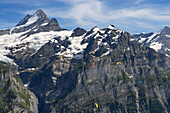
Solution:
(132, 39)
(156, 46)
(151, 37)
(36, 41)
(168, 36)
(111, 27)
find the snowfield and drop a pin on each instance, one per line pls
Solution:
(36, 41)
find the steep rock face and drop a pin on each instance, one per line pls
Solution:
(138, 84)
(158, 41)
(116, 88)
(51, 26)
(51, 71)
(14, 96)
(24, 20)
(42, 18)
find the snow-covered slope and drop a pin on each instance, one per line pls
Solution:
(74, 50)
(39, 16)
(28, 23)
(34, 41)
(33, 31)
(38, 30)
(31, 20)
(158, 41)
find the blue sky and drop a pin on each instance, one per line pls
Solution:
(134, 16)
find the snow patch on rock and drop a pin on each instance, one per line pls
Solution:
(156, 46)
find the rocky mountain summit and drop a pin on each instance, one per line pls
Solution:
(38, 17)
(158, 41)
(29, 22)
(81, 71)
(38, 22)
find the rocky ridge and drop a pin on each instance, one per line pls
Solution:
(14, 96)
(97, 79)
(71, 71)
(158, 41)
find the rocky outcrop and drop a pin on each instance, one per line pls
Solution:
(138, 84)
(14, 96)
(78, 32)
(51, 26)
(5, 31)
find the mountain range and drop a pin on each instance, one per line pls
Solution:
(81, 71)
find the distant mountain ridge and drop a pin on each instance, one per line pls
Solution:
(158, 41)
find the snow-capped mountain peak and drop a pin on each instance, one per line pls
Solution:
(111, 26)
(72, 44)
(165, 31)
(30, 19)
(30, 36)
(95, 29)
(159, 41)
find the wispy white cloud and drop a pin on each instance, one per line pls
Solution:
(89, 13)
(83, 12)
(139, 1)
(94, 12)
(144, 13)
(28, 2)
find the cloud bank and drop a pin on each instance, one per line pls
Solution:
(89, 13)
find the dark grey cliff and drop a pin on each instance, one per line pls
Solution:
(139, 84)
